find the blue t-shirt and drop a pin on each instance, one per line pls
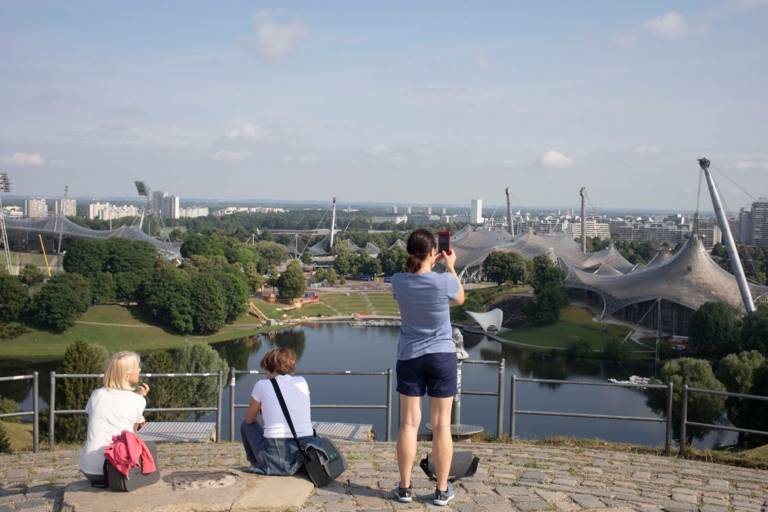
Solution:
(425, 322)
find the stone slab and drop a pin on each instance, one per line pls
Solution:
(210, 490)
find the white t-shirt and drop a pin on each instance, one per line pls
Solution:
(296, 394)
(110, 411)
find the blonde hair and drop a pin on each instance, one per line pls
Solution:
(118, 367)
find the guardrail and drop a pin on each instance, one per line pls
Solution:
(499, 393)
(35, 412)
(684, 423)
(514, 411)
(52, 412)
(233, 373)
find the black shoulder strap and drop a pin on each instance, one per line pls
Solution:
(284, 407)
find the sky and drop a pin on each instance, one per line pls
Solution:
(403, 102)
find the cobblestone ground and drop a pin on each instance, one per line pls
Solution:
(510, 477)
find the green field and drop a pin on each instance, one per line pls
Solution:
(124, 330)
(575, 323)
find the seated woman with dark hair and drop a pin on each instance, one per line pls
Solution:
(267, 438)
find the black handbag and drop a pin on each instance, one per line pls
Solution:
(322, 460)
(463, 465)
(114, 480)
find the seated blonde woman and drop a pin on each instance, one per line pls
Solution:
(116, 407)
(267, 438)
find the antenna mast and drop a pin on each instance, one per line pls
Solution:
(583, 193)
(730, 245)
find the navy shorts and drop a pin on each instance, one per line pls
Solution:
(434, 374)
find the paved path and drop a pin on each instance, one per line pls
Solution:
(520, 477)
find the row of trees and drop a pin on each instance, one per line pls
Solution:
(716, 330)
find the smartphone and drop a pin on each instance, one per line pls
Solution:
(444, 241)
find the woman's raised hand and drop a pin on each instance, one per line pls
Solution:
(143, 389)
(449, 258)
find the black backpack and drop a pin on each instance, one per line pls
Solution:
(322, 460)
(463, 465)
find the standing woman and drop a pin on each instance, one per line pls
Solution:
(426, 359)
(111, 410)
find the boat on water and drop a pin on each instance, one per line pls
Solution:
(633, 379)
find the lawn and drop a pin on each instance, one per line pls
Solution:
(575, 323)
(125, 332)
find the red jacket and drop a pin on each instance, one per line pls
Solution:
(124, 453)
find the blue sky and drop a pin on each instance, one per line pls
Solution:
(423, 102)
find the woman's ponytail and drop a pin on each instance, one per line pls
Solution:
(420, 245)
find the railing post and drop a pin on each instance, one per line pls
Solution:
(52, 412)
(500, 401)
(219, 400)
(232, 382)
(512, 407)
(684, 420)
(36, 411)
(668, 436)
(388, 432)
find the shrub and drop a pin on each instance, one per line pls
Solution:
(5, 443)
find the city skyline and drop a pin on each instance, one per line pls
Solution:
(419, 104)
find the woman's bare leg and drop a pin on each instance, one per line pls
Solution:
(442, 443)
(410, 418)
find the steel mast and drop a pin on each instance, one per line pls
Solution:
(730, 245)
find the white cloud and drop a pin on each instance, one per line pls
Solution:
(231, 156)
(670, 25)
(253, 132)
(275, 39)
(24, 160)
(379, 149)
(752, 164)
(556, 160)
(646, 149)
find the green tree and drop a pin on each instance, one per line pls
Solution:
(79, 357)
(306, 258)
(255, 280)
(703, 408)
(85, 257)
(292, 283)
(128, 256)
(271, 254)
(80, 287)
(502, 267)
(13, 298)
(393, 260)
(209, 308)
(754, 414)
(754, 331)
(737, 372)
(58, 304)
(330, 277)
(165, 296)
(714, 330)
(235, 291)
(545, 274)
(103, 288)
(369, 266)
(544, 309)
(31, 275)
(128, 285)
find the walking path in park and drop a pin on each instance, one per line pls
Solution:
(520, 476)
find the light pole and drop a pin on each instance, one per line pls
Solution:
(5, 187)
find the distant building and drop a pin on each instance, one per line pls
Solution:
(710, 234)
(395, 219)
(421, 219)
(760, 223)
(408, 210)
(231, 210)
(394, 210)
(13, 212)
(36, 208)
(66, 206)
(165, 205)
(593, 228)
(428, 210)
(106, 211)
(745, 227)
(476, 212)
(193, 212)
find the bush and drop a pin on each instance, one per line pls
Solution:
(209, 308)
(8, 405)
(80, 357)
(12, 330)
(55, 307)
(31, 275)
(5, 443)
(578, 349)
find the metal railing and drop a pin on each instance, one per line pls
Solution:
(499, 393)
(52, 412)
(514, 411)
(35, 412)
(684, 423)
(233, 373)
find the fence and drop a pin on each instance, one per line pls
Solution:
(684, 423)
(35, 412)
(52, 412)
(387, 406)
(514, 411)
(499, 393)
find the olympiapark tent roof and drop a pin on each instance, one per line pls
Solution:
(689, 278)
(54, 225)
